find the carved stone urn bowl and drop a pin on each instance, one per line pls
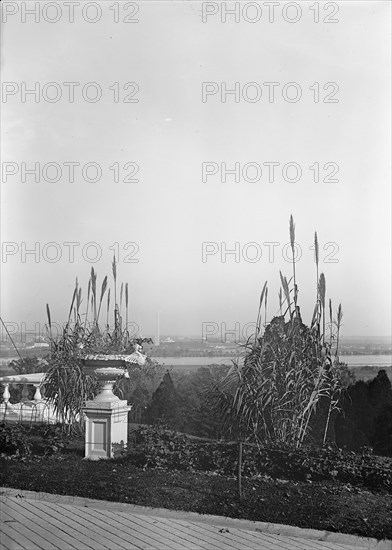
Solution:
(106, 369)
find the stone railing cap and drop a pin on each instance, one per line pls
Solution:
(34, 378)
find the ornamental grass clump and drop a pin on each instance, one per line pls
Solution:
(288, 370)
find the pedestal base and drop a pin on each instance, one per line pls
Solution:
(106, 428)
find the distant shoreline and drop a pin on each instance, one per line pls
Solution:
(365, 367)
(351, 360)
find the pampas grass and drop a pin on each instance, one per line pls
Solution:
(288, 370)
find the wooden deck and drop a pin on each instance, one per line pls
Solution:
(52, 524)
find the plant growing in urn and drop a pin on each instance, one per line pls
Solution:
(86, 360)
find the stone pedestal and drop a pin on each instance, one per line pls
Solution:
(106, 428)
(106, 415)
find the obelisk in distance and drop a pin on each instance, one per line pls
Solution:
(157, 341)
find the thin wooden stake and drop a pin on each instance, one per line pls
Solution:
(240, 469)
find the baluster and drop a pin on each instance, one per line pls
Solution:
(6, 394)
(25, 393)
(37, 395)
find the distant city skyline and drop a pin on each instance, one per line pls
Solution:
(30, 336)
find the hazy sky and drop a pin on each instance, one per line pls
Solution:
(170, 132)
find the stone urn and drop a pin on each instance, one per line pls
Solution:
(107, 415)
(106, 369)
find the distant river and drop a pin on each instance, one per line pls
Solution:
(357, 363)
(351, 360)
(365, 367)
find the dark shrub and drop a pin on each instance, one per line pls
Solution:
(366, 417)
(13, 439)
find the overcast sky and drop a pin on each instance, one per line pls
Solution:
(168, 135)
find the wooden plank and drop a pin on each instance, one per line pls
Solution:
(140, 537)
(56, 526)
(75, 518)
(314, 544)
(304, 544)
(134, 529)
(148, 525)
(293, 543)
(246, 539)
(222, 540)
(4, 516)
(11, 509)
(183, 534)
(46, 531)
(22, 536)
(281, 542)
(7, 543)
(199, 534)
(163, 531)
(267, 538)
(76, 527)
(276, 542)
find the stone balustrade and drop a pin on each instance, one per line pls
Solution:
(106, 415)
(39, 409)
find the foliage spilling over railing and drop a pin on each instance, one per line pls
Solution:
(289, 368)
(65, 380)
